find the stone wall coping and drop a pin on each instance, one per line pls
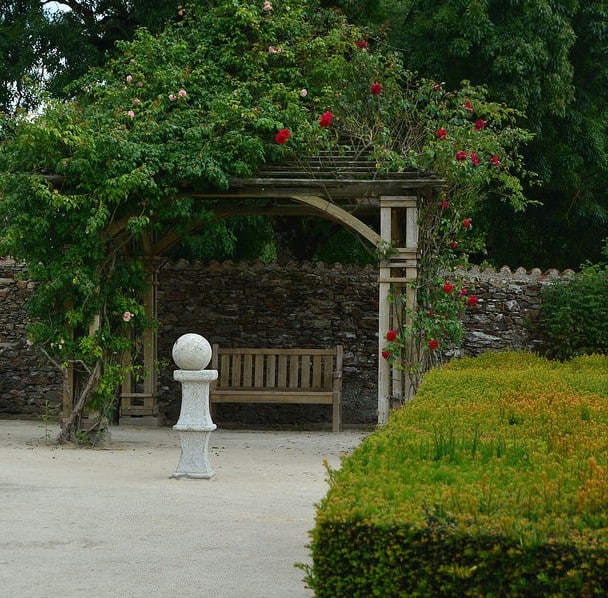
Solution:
(490, 273)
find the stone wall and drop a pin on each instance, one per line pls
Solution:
(292, 305)
(29, 385)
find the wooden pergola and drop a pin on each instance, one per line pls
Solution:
(347, 189)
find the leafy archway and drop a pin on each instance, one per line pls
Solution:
(87, 185)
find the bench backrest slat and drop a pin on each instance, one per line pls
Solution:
(305, 371)
(293, 371)
(282, 373)
(271, 371)
(258, 367)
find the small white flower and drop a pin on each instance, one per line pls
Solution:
(129, 78)
(172, 97)
(127, 316)
(303, 93)
(267, 6)
(182, 93)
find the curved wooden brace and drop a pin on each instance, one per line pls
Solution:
(337, 214)
(325, 208)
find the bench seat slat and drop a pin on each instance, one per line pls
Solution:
(276, 396)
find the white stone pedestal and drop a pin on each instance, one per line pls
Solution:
(192, 352)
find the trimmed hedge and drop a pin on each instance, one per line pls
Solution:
(493, 481)
(573, 317)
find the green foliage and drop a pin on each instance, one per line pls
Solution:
(46, 47)
(574, 313)
(492, 481)
(547, 60)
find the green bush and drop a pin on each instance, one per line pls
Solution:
(493, 481)
(574, 314)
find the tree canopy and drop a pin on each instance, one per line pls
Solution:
(548, 60)
(544, 58)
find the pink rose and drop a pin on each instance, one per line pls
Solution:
(182, 93)
(127, 316)
(172, 97)
(267, 6)
(129, 78)
(131, 114)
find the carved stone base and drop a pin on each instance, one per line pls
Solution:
(194, 458)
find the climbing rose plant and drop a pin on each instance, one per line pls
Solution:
(87, 185)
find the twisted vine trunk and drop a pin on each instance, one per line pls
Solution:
(67, 427)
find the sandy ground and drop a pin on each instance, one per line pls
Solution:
(110, 522)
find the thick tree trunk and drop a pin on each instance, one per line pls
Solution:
(67, 427)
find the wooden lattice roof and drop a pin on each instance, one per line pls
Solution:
(348, 179)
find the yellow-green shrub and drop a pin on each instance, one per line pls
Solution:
(493, 481)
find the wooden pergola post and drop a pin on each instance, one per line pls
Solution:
(398, 270)
(138, 401)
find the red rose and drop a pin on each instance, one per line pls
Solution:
(468, 107)
(461, 156)
(391, 335)
(326, 119)
(475, 158)
(495, 160)
(443, 205)
(433, 344)
(441, 133)
(466, 223)
(448, 287)
(437, 87)
(361, 43)
(454, 244)
(282, 136)
(386, 354)
(472, 301)
(480, 124)
(376, 89)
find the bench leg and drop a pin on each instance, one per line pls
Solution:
(336, 413)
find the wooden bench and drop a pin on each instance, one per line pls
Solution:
(294, 376)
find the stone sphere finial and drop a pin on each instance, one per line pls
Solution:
(191, 352)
